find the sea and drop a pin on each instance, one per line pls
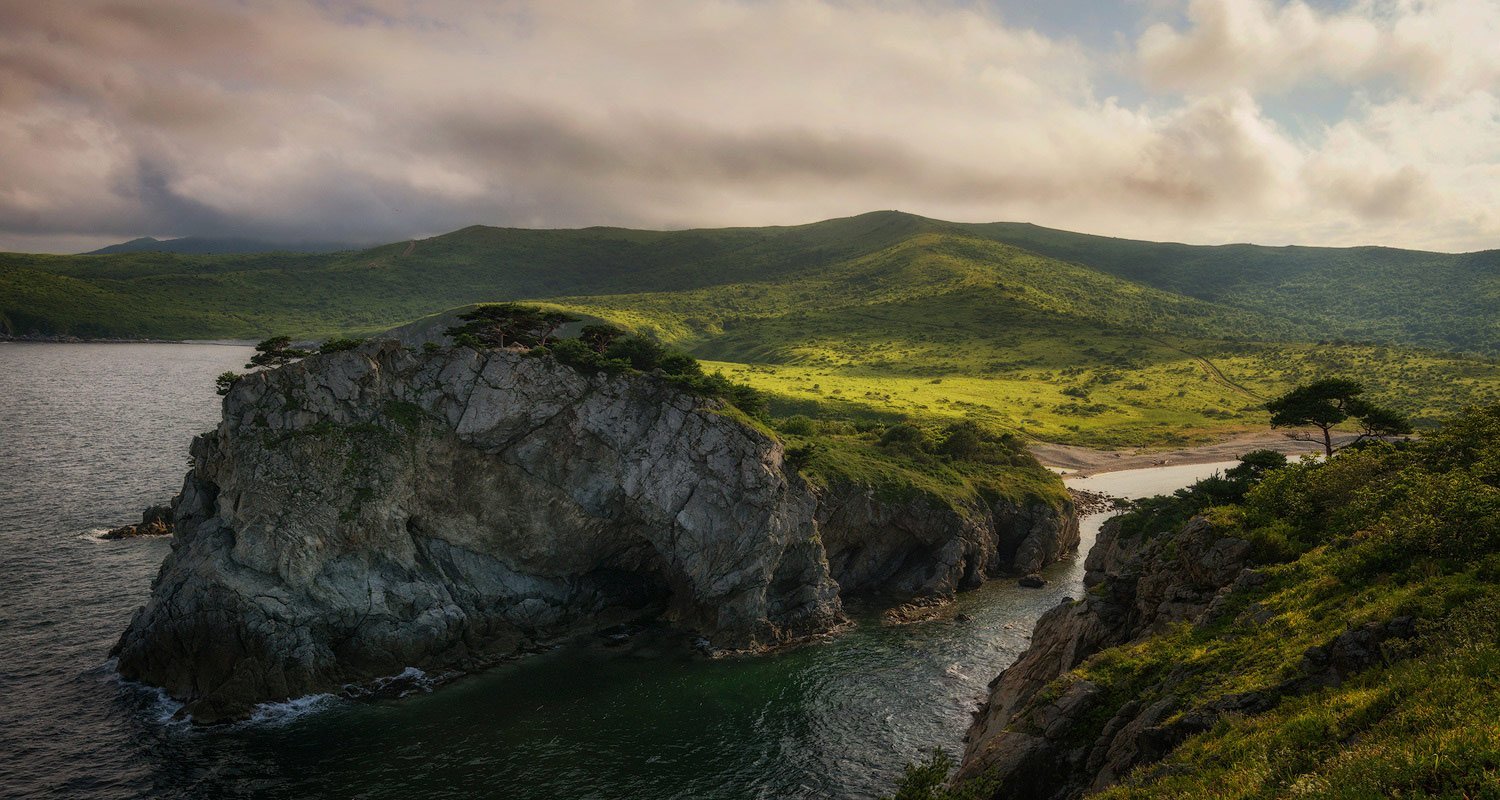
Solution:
(90, 434)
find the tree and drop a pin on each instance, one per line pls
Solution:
(1254, 465)
(600, 337)
(225, 381)
(276, 351)
(502, 324)
(1329, 402)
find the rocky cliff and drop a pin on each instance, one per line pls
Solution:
(1039, 737)
(362, 512)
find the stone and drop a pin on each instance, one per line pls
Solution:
(362, 513)
(155, 521)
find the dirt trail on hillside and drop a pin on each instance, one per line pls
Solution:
(1087, 461)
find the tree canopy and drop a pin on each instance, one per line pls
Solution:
(276, 351)
(506, 324)
(1327, 403)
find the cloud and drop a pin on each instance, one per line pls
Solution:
(385, 119)
(1428, 46)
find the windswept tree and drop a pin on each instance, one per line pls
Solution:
(600, 337)
(276, 351)
(505, 324)
(1330, 402)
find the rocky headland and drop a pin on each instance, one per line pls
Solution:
(1045, 733)
(363, 512)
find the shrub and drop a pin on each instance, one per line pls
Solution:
(225, 381)
(797, 425)
(340, 345)
(904, 435)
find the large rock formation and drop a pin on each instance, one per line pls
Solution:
(1041, 743)
(362, 512)
(916, 546)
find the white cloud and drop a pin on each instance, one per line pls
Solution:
(1431, 47)
(380, 120)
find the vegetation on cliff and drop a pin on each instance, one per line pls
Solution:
(883, 314)
(954, 465)
(1361, 662)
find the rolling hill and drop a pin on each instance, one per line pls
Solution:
(203, 245)
(1060, 336)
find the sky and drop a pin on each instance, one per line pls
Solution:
(1204, 121)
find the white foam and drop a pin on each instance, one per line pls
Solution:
(286, 711)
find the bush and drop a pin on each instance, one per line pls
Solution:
(797, 425)
(799, 456)
(225, 381)
(904, 435)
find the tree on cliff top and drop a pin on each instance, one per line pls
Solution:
(1330, 402)
(502, 324)
(276, 351)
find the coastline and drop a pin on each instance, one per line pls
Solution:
(1074, 460)
(58, 339)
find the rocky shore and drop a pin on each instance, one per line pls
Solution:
(360, 513)
(1042, 735)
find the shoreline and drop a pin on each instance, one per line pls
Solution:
(7, 339)
(1075, 460)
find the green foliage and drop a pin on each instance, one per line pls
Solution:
(1165, 513)
(507, 324)
(859, 317)
(797, 425)
(1371, 534)
(928, 780)
(799, 456)
(276, 351)
(598, 337)
(225, 381)
(1328, 402)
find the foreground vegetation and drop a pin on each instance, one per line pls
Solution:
(1378, 533)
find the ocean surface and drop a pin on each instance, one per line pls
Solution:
(90, 434)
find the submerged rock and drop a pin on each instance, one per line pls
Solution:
(361, 513)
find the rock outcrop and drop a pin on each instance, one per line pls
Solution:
(1039, 737)
(917, 546)
(155, 521)
(363, 512)
(1039, 746)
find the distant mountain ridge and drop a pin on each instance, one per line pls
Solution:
(202, 245)
(1062, 336)
(1447, 301)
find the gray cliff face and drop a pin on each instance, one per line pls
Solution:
(362, 512)
(1041, 746)
(914, 546)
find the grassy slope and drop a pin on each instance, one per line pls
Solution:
(1365, 538)
(945, 325)
(885, 314)
(1360, 293)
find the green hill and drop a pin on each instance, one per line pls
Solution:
(1450, 301)
(887, 314)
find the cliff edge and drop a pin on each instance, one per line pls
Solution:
(361, 512)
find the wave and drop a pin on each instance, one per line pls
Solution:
(274, 715)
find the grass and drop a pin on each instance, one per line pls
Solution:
(1369, 536)
(885, 315)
